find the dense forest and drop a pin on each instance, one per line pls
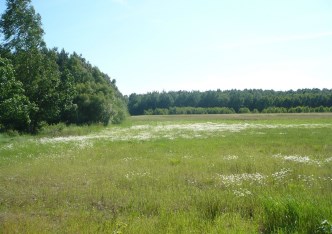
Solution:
(231, 101)
(41, 86)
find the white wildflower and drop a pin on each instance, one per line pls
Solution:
(168, 130)
(306, 178)
(238, 179)
(295, 158)
(328, 160)
(187, 157)
(282, 174)
(127, 159)
(231, 157)
(298, 158)
(133, 174)
(9, 146)
(242, 192)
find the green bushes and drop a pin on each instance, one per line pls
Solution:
(189, 111)
(244, 110)
(242, 101)
(275, 110)
(226, 110)
(298, 109)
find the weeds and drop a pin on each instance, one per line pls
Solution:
(170, 176)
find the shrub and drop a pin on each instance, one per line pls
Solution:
(244, 110)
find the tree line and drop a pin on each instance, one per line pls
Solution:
(40, 86)
(231, 101)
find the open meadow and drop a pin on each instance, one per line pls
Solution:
(250, 173)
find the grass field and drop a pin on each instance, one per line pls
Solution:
(171, 174)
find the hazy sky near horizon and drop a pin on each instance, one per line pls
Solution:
(156, 45)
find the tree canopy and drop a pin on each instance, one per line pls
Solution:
(21, 26)
(41, 85)
(15, 107)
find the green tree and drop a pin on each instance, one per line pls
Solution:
(15, 108)
(21, 26)
(97, 98)
(35, 66)
(63, 88)
(38, 71)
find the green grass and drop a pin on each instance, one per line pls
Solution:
(256, 180)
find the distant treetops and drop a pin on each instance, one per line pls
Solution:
(40, 85)
(231, 101)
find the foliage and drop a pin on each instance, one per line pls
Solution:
(21, 26)
(244, 110)
(245, 101)
(94, 94)
(38, 72)
(189, 111)
(57, 87)
(15, 108)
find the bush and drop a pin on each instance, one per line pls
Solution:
(244, 110)
(160, 111)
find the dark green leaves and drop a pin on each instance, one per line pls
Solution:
(15, 107)
(39, 85)
(21, 26)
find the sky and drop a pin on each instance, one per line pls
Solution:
(171, 45)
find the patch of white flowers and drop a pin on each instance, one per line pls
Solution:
(238, 179)
(186, 157)
(132, 174)
(242, 192)
(308, 179)
(328, 160)
(173, 131)
(282, 174)
(298, 158)
(231, 157)
(8, 146)
(128, 159)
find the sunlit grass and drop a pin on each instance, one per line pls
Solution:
(249, 181)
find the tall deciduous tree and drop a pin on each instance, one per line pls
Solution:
(21, 26)
(35, 66)
(15, 108)
(63, 88)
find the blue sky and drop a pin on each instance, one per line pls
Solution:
(156, 45)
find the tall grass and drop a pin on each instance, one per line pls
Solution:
(225, 182)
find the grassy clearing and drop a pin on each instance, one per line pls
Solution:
(204, 174)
